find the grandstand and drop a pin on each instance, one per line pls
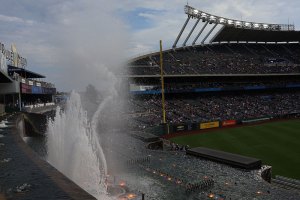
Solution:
(215, 59)
(239, 75)
(20, 88)
(240, 71)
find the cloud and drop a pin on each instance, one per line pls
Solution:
(91, 44)
(147, 15)
(75, 43)
(5, 18)
(69, 39)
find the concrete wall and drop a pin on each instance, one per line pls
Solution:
(34, 124)
(10, 88)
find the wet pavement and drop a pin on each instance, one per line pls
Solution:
(24, 176)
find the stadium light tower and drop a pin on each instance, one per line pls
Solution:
(209, 33)
(190, 11)
(188, 37)
(201, 31)
(180, 33)
(207, 18)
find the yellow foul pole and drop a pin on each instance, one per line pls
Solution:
(162, 85)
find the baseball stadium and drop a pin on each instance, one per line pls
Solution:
(216, 116)
(230, 89)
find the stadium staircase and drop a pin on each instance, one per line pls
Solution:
(287, 183)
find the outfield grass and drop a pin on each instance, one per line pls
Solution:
(276, 144)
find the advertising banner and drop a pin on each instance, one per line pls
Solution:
(36, 90)
(229, 123)
(209, 125)
(180, 128)
(255, 120)
(26, 89)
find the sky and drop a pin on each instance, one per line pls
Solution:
(73, 41)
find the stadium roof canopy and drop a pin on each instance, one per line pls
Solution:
(252, 35)
(24, 72)
(232, 30)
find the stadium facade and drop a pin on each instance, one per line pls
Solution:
(239, 72)
(21, 88)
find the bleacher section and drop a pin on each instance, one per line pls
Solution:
(146, 110)
(224, 82)
(223, 59)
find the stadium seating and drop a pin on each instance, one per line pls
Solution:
(223, 59)
(247, 95)
(146, 112)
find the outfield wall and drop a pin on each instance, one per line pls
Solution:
(167, 129)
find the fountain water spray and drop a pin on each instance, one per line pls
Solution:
(74, 146)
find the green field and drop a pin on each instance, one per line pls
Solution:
(276, 144)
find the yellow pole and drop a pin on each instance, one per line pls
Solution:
(162, 85)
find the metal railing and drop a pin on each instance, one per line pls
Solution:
(31, 82)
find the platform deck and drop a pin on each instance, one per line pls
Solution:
(234, 160)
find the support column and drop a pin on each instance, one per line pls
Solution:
(194, 42)
(20, 99)
(188, 37)
(178, 37)
(20, 103)
(212, 39)
(211, 30)
(13, 100)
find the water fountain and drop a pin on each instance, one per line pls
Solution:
(75, 149)
(74, 146)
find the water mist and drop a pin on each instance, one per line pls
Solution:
(89, 43)
(74, 147)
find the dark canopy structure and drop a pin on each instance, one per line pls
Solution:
(24, 72)
(254, 35)
(4, 78)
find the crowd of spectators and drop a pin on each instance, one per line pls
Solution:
(147, 112)
(224, 59)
